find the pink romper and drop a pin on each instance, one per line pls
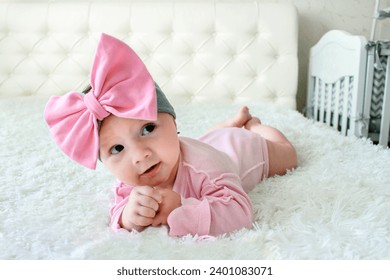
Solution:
(214, 176)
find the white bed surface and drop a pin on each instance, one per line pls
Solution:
(335, 205)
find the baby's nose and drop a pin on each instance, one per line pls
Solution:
(141, 154)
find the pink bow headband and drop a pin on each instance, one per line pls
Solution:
(120, 85)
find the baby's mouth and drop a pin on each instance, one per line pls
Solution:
(152, 170)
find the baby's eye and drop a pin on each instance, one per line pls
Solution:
(116, 149)
(148, 129)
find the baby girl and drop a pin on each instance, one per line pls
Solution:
(196, 187)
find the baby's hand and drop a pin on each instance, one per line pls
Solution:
(141, 208)
(171, 200)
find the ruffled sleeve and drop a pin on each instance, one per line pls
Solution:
(215, 206)
(122, 193)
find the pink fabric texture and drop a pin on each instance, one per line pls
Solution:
(213, 179)
(121, 85)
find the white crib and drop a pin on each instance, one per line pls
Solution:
(349, 84)
(336, 81)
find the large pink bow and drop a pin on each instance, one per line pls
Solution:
(121, 85)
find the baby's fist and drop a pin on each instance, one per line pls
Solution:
(170, 201)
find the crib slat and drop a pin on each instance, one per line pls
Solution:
(344, 122)
(316, 94)
(336, 105)
(322, 109)
(329, 105)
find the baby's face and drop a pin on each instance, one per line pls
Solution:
(140, 153)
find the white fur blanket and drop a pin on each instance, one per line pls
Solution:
(335, 205)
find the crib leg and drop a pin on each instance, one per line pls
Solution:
(368, 89)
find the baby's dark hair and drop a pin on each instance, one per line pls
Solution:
(87, 89)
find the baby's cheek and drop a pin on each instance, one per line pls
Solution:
(124, 175)
(116, 170)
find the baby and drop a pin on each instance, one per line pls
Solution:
(196, 187)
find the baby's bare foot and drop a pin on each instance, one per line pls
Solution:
(239, 120)
(242, 117)
(254, 121)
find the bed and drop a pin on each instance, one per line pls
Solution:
(210, 57)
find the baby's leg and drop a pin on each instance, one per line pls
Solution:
(239, 120)
(281, 153)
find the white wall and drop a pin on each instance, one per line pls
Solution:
(316, 17)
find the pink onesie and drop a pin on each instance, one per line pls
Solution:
(214, 176)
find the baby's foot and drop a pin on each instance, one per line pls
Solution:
(241, 118)
(254, 121)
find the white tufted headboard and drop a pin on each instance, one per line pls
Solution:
(198, 51)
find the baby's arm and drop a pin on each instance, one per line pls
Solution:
(222, 208)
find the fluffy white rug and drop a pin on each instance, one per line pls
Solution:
(335, 205)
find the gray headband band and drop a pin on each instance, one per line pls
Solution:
(163, 105)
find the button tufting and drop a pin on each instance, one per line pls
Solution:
(204, 53)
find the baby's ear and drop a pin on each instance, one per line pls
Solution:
(174, 120)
